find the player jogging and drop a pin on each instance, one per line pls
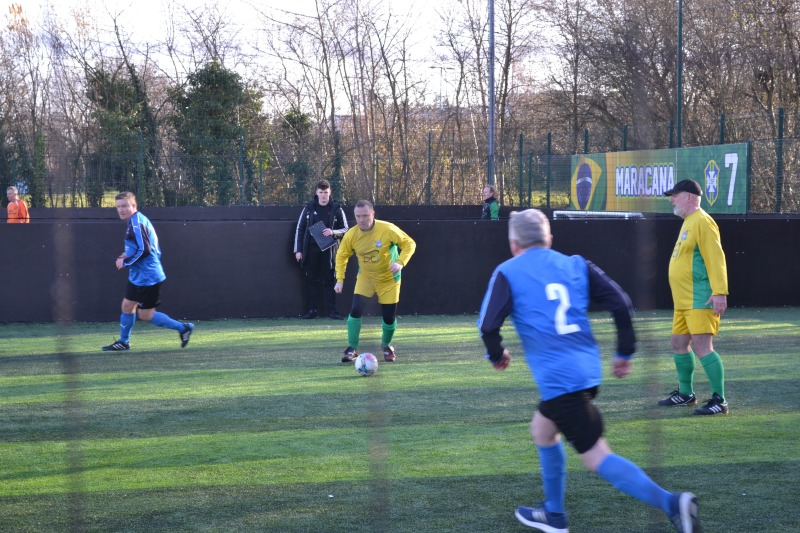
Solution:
(382, 250)
(142, 258)
(547, 295)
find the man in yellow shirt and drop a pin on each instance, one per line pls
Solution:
(382, 250)
(698, 279)
(17, 210)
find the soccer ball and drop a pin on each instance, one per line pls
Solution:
(366, 364)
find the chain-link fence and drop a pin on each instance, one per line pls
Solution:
(434, 168)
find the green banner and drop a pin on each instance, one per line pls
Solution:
(636, 181)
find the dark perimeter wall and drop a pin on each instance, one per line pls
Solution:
(238, 262)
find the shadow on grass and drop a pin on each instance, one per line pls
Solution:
(444, 504)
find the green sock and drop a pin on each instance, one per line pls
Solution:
(712, 364)
(387, 332)
(353, 331)
(685, 364)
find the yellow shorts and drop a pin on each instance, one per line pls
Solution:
(388, 291)
(694, 322)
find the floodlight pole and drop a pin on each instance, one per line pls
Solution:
(679, 111)
(490, 159)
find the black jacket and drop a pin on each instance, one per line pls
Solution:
(312, 213)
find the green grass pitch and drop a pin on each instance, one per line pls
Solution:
(257, 426)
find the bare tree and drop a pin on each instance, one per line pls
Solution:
(568, 84)
(350, 71)
(770, 48)
(305, 51)
(463, 45)
(69, 134)
(519, 35)
(390, 100)
(352, 63)
(29, 77)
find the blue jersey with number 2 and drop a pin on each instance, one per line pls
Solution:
(547, 295)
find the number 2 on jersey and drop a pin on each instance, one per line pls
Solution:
(557, 291)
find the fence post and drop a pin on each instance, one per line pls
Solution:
(521, 141)
(452, 168)
(140, 170)
(549, 168)
(260, 179)
(624, 137)
(722, 128)
(779, 164)
(428, 186)
(336, 162)
(241, 168)
(377, 177)
(586, 141)
(671, 134)
(530, 177)
(749, 176)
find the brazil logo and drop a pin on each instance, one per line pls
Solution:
(583, 185)
(712, 182)
(588, 186)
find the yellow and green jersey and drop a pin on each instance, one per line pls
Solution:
(697, 269)
(376, 250)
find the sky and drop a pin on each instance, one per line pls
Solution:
(142, 21)
(140, 18)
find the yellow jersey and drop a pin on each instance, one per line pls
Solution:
(697, 269)
(376, 249)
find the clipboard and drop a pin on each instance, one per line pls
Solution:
(324, 242)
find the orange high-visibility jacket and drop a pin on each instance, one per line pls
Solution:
(18, 212)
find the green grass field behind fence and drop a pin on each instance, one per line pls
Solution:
(257, 426)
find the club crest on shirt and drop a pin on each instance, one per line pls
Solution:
(684, 235)
(378, 243)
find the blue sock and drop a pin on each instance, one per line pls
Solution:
(164, 321)
(627, 477)
(126, 322)
(553, 460)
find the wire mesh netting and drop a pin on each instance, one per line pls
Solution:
(444, 173)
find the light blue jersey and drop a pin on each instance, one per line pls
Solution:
(142, 252)
(547, 296)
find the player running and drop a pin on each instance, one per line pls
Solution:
(142, 258)
(547, 295)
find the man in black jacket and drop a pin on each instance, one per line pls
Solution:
(318, 264)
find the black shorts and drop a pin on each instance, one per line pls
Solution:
(148, 297)
(576, 417)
